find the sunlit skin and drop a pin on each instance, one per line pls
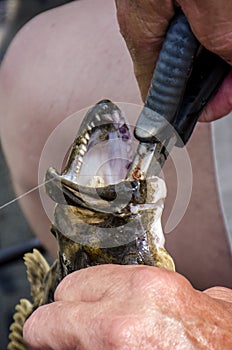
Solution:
(127, 307)
(59, 63)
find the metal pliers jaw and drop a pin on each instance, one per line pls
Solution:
(186, 76)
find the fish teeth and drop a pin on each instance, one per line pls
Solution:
(97, 116)
(82, 152)
(116, 116)
(84, 141)
(108, 117)
(84, 148)
(80, 161)
(78, 165)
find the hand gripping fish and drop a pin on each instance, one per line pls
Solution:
(99, 218)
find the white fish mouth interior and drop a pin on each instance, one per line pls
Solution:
(105, 152)
(106, 163)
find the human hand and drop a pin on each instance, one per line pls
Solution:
(144, 24)
(131, 307)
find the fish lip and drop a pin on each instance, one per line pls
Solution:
(97, 199)
(103, 101)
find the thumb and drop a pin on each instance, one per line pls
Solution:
(221, 293)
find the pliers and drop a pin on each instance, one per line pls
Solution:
(186, 76)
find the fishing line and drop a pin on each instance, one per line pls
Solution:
(24, 194)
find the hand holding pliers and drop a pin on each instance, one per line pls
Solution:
(186, 76)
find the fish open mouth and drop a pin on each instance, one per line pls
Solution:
(102, 150)
(98, 163)
(94, 176)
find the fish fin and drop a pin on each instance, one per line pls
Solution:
(23, 311)
(37, 269)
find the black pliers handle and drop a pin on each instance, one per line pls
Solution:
(186, 76)
(208, 72)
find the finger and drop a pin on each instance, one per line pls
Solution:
(143, 24)
(220, 293)
(211, 23)
(113, 282)
(93, 283)
(62, 325)
(221, 104)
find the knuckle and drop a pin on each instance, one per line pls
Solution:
(156, 282)
(64, 286)
(146, 276)
(119, 332)
(29, 328)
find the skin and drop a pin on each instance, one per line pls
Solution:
(35, 97)
(127, 307)
(144, 24)
(41, 82)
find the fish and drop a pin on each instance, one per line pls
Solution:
(100, 216)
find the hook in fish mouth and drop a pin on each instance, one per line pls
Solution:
(98, 163)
